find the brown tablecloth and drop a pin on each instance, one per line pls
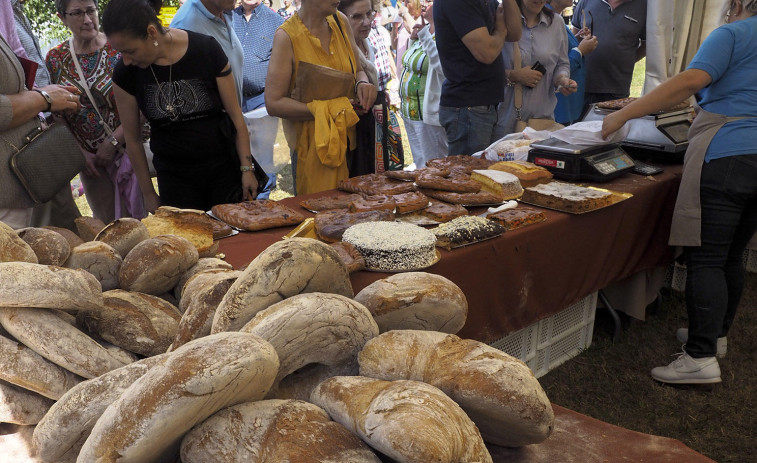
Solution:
(532, 273)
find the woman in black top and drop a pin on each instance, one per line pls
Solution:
(181, 81)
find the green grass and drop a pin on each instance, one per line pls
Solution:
(637, 83)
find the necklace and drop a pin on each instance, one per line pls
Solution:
(170, 107)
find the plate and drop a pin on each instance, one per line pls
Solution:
(615, 198)
(436, 259)
(306, 229)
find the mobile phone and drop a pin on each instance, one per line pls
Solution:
(539, 67)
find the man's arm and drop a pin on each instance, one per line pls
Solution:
(512, 21)
(486, 47)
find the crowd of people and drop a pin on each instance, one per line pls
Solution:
(460, 74)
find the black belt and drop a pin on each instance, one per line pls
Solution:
(251, 94)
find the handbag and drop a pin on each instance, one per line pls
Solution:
(46, 162)
(534, 122)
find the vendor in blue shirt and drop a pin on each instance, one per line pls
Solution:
(716, 211)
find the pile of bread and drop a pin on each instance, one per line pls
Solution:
(189, 360)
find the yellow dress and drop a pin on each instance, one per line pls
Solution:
(313, 174)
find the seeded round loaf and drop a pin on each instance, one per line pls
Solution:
(155, 265)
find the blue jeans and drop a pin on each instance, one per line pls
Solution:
(715, 271)
(469, 129)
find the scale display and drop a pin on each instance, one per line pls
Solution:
(596, 164)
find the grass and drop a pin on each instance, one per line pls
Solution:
(611, 382)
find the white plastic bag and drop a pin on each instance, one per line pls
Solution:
(589, 133)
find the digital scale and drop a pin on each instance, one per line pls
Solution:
(594, 163)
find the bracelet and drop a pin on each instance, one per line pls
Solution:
(247, 168)
(47, 98)
(357, 84)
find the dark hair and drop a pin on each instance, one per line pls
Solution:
(62, 5)
(344, 4)
(131, 17)
(546, 10)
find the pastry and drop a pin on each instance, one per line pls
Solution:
(392, 246)
(566, 197)
(329, 202)
(466, 230)
(528, 173)
(410, 202)
(516, 218)
(330, 225)
(468, 199)
(372, 203)
(411, 175)
(257, 215)
(461, 162)
(374, 184)
(456, 181)
(349, 256)
(500, 183)
(443, 212)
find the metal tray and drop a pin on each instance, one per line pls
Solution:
(615, 198)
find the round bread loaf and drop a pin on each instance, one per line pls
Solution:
(322, 328)
(50, 247)
(23, 367)
(408, 421)
(13, 248)
(21, 406)
(202, 294)
(415, 301)
(88, 227)
(203, 263)
(273, 431)
(498, 392)
(155, 265)
(48, 287)
(286, 268)
(123, 234)
(51, 337)
(73, 416)
(72, 238)
(99, 259)
(146, 423)
(138, 322)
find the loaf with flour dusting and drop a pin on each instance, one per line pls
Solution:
(13, 248)
(47, 286)
(408, 421)
(499, 392)
(21, 406)
(155, 265)
(123, 234)
(50, 247)
(99, 259)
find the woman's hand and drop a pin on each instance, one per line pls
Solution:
(612, 123)
(526, 76)
(65, 98)
(366, 95)
(249, 185)
(588, 45)
(566, 86)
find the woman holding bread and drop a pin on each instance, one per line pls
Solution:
(182, 82)
(716, 211)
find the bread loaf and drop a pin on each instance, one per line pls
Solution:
(322, 328)
(21, 406)
(155, 265)
(99, 259)
(273, 431)
(23, 367)
(13, 248)
(71, 238)
(74, 415)
(147, 422)
(88, 227)
(138, 322)
(191, 224)
(46, 286)
(48, 335)
(123, 234)
(50, 247)
(415, 301)
(203, 292)
(203, 263)
(408, 421)
(498, 392)
(286, 268)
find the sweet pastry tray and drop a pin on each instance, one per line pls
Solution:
(436, 259)
(615, 198)
(306, 229)
(462, 245)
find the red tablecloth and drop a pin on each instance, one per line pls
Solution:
(534, 272)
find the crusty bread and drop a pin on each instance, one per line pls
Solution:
(99, 259)
(191, 224)
(48, 335)
(88, 227)
(273, 431)
(72, 238)
(322, 328)
(138, 322)
(50, 247)
(123, 234)
(408, 421)
(74, 415)
(498, 392)
(197, 380)
(155, 265)
(415, 301)
(202, 294)
(47, 286)
(21, 406)
(13, 248)
(204, 263)
(23, 367)
(286, 268)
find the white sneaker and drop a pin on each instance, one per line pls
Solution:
(682, 334)
(688, 370)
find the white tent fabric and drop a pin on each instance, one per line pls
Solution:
(675, 29)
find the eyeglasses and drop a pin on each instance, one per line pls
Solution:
(360, 17)
(79, 14)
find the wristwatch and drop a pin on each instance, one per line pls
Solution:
(47, 98)
(247, 168)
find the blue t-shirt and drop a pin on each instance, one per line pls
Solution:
(468, 82)
(729, 56)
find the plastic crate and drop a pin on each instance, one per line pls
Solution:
(550, 342)
(676, 275)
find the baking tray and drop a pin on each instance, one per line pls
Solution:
(210, 214)
(436, 259)
(306, 229)
(615, 198)
(233, 232)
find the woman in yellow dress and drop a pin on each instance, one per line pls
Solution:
(317, 34)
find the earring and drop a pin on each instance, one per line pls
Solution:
(155, 43)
